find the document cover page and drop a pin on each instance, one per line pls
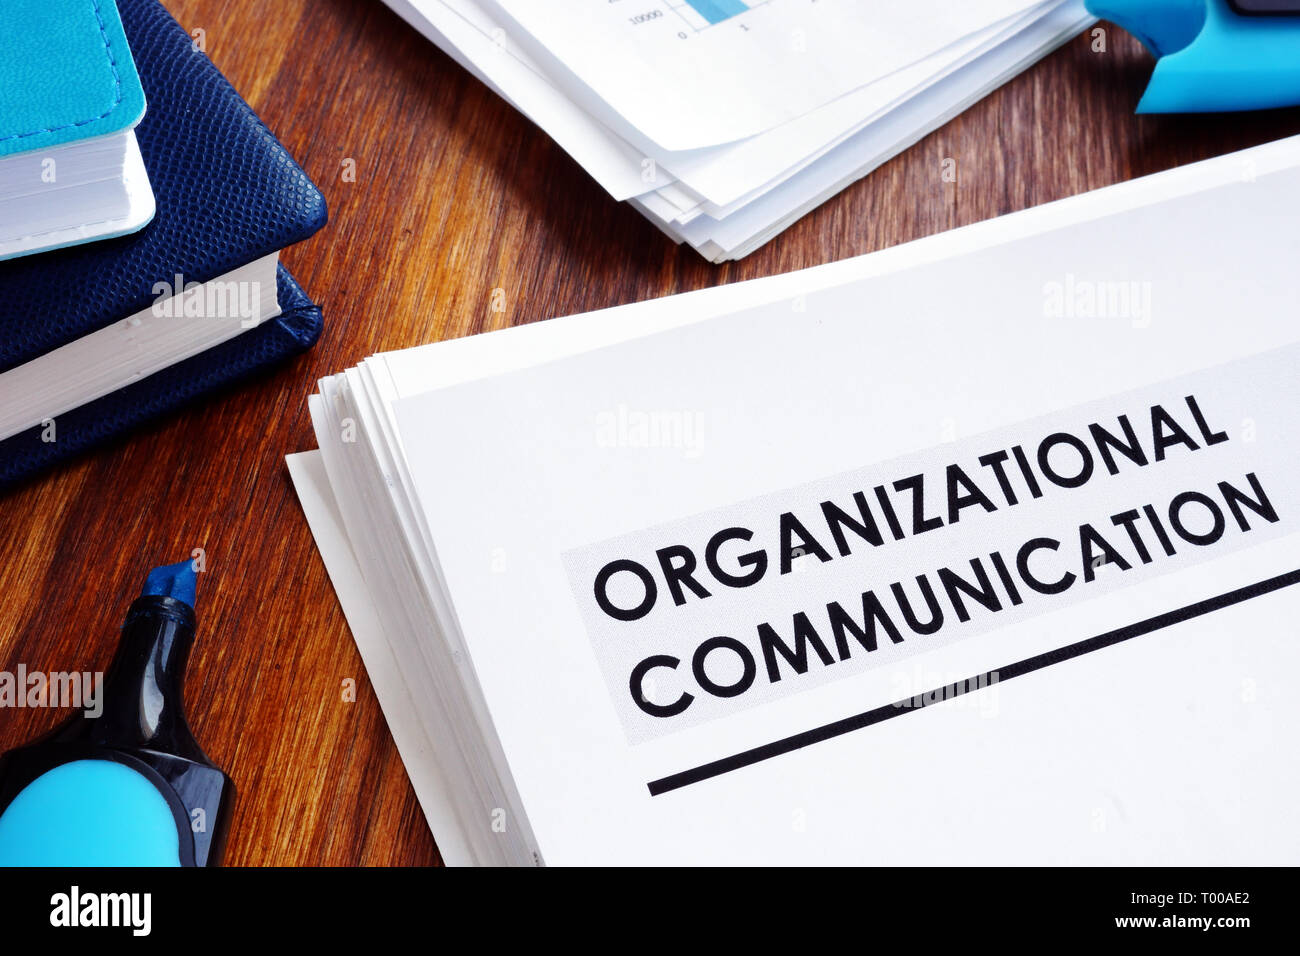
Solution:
(991, 559)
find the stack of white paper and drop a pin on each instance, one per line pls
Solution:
(724, 121)
(978, 549)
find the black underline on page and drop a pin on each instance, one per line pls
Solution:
(939, 694)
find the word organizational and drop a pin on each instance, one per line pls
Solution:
(901, 610)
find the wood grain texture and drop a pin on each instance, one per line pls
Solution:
(455, 195)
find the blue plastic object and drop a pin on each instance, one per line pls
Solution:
(123, 782)
(89, 813)
(1215, 55)
(172, 580)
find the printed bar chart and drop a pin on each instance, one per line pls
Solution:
(715, 11)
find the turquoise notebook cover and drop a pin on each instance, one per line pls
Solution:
(66, 74)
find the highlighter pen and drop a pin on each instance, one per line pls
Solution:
(1214, 55)
(128, 786)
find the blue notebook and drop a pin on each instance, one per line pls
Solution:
(147, 322)
(70, 97)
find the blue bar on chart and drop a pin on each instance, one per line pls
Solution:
(715, 11)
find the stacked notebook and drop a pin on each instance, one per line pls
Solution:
(99, 337)
(979, 549)
(724, 121)
(70, 99)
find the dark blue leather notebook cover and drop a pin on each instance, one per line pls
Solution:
(228, 193)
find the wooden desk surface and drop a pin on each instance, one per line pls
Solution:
(455, 195)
